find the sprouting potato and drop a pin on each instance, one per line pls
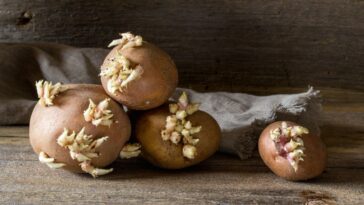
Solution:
(291, 152)
(138, 74)
(177, 135)
(77, 127)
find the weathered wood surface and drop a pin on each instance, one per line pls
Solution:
(215, 43)
(261, 47)
(223, 179)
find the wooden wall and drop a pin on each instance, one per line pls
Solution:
(217, 45)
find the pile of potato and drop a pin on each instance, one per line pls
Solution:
(83, 128)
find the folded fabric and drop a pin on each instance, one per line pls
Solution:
(240, 116)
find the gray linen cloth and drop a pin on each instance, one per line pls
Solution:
(240, 116)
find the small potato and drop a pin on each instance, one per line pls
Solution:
(167, 146)
(65, 127)
(291, 152)
(138, 74)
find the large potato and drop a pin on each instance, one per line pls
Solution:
(47, 124)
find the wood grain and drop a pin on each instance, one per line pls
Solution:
(221, 44)
(261, 47)
(223, 179)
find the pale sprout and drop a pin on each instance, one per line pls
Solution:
(189, 151)
(127, 40)
(99, 114)
(46, 92)
(130, 151)
(87, 167)
(50, 162)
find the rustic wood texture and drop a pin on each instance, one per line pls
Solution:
(223, 179)
(261, 47)
(217, 45)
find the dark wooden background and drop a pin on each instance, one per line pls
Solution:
(217, 45)
(255, 46)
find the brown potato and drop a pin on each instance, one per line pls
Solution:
(155, 83)
(47, 123)
(279, 155)
(165, 153)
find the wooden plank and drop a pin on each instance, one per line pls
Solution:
(14, 131)
(214, 43)
(222, 179)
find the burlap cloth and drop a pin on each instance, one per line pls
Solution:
(240, 116)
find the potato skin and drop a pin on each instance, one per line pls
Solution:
(47, 123)
(157, 82)
(314, 162)
(167, 155)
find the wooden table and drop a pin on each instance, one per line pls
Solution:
(223, 179)
(217, 45)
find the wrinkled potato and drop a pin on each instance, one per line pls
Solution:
(291, 152)
(138, 74)
(172, 154)
(66, 110)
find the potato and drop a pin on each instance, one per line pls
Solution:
(67, 107)
(138, 74)
(176, 151)
(291, 152)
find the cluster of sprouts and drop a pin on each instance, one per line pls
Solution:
(118, 69)
(288, 143)
(99, 114)
(180, 130)
(82, 148)
(47, 92)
